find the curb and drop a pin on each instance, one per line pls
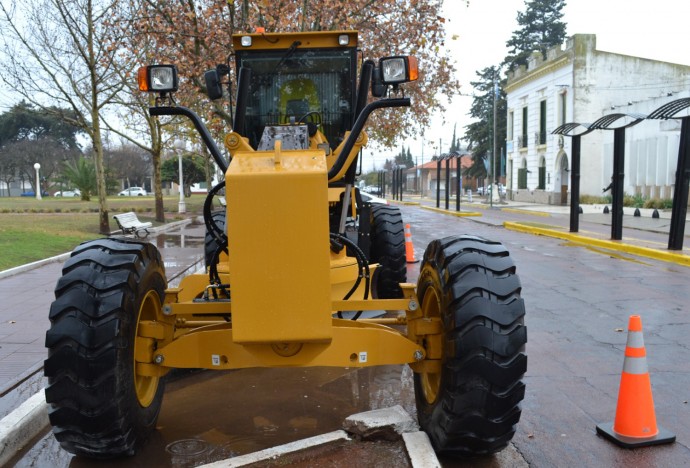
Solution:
(420, 451)
(33, 265)
(647, 252)
(281, 450)
(527, 212)
(405, 203)
(22, 425)
(461, 214)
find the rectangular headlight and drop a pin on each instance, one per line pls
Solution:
(246, 41)
(395, 70)
(158, 78)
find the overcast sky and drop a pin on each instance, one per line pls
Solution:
(655, 29)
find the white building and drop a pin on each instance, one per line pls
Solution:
(582, 84)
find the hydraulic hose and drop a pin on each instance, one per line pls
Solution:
(364, 272)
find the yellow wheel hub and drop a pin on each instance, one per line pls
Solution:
(146, 382)
(431, 381)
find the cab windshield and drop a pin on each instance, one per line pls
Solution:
(309, 85)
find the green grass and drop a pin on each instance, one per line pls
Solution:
(32, 230)
(25, 238)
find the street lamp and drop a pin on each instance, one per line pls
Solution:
(38, 182)
(179, 147)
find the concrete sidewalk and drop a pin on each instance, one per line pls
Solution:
(643, 235)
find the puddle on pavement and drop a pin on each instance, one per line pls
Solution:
(177, 239)
(209, 416)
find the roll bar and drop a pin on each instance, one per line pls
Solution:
(336, 171)
(200, 127)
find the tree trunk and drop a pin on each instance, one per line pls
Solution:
(157, 185)
(103, 221)
(208, 168)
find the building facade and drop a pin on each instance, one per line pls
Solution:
(579, 83)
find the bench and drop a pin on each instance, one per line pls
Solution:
(129, 223)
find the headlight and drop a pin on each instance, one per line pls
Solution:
(395, 70)
(158, 78)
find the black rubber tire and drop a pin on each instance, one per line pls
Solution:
(211, 241)
(388, 250)
(473, 406)
(94, 407)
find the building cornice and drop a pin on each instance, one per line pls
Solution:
(543, 70)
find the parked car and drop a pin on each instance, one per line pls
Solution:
(68, 193)
(133, 192)
(369, 198)
(31, 193)
(480, 190)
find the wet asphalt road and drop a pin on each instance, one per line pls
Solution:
(578, 300)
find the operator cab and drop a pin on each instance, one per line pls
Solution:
(304, 79)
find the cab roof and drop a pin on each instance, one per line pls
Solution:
(309, 40)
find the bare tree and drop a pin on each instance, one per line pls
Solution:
(130, 163)
(140, 46)
(56, 56)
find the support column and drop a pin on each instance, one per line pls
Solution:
(575, 185)
(680, 194)
(458, 188)
(402, 182)
(438, 183)
(618, 181)
(447, 182)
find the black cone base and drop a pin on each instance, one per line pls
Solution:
(663, 437)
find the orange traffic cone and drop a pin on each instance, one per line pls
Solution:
(635, 423)
(409, 247)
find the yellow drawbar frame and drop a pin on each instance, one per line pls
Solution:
(285, 286)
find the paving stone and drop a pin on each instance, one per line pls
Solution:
(387, 424)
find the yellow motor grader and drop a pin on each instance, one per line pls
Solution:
(293, 264)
